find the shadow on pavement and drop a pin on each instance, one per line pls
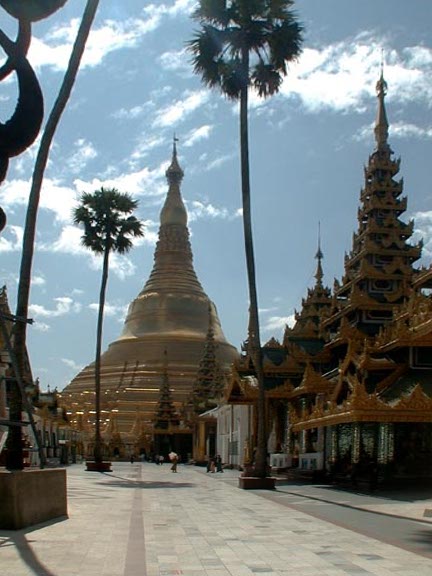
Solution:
(409, 493)
(121, 482)
(423, 537)
(17, 538)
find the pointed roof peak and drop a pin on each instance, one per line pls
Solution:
(381, 123)
(174, 211)
(319, 256)
(174, 172)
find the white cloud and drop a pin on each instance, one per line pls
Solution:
(219, 161)
(85, 152)
(198, 210)
(130, 113)
(144, 146)
(277, 323)
(177, 61)
(201, 133)
(72, 364)
(396, 130)
(178, 8)
(14, 243)
(41, 326)
(423, 231)
(64, 305)
(144, 182)
(342, 76)
(69, 242)
(175, 113)
(38, 281)
(117, 311)
(54, 197)
(54, 49)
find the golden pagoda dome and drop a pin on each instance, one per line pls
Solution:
(170, 316)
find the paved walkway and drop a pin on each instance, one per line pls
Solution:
(143, 520)
(415, 504)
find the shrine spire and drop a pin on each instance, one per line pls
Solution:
(381, 123)
(319, 256)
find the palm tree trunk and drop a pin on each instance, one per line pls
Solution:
(15, 456)
(254, 331)
(98, 439)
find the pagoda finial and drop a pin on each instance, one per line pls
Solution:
(174, 172)
(319, 256)
(381, 124)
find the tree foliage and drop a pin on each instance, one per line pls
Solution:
(109, 226)
(242, 45)
(245, 43)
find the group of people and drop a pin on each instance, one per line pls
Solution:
(214, 464)
(159, 459)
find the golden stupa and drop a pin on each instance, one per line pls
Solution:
(164, 333)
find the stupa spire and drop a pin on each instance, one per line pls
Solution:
(173, 257)
(319, 256)
(381, 123)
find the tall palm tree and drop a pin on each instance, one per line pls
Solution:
(247, 44)
(36, 11)
(108, 227)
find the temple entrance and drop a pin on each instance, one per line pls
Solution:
(179, 443)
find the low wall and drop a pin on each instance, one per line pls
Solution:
(29, 497)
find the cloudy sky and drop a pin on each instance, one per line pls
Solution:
(136, 88)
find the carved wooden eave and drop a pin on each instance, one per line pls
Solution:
(273, 343)
(367, 362)
(291, 365)
(346, 334)
(282, 392)
(363, 407)
(271, 367)
(385, 163)
(243, 363)
(392, 378)
(412, 326)
(423, 279)
(240, 391)
(312, 383)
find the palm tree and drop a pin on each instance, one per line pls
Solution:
(247, 44)
(108, 227)
(36, 11)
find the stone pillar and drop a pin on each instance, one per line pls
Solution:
(333, 453)
(356, 442)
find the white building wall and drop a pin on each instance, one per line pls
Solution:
(234, 425)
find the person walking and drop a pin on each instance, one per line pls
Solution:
(218, 463)
(174, 459)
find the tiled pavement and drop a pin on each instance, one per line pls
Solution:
(142, 520)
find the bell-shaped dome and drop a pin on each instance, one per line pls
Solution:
(169, 318)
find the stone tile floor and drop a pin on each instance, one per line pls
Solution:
(142, 520)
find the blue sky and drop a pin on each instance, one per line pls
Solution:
(308, 148)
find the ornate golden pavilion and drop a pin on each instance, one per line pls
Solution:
(154, 363)
(350, 387)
